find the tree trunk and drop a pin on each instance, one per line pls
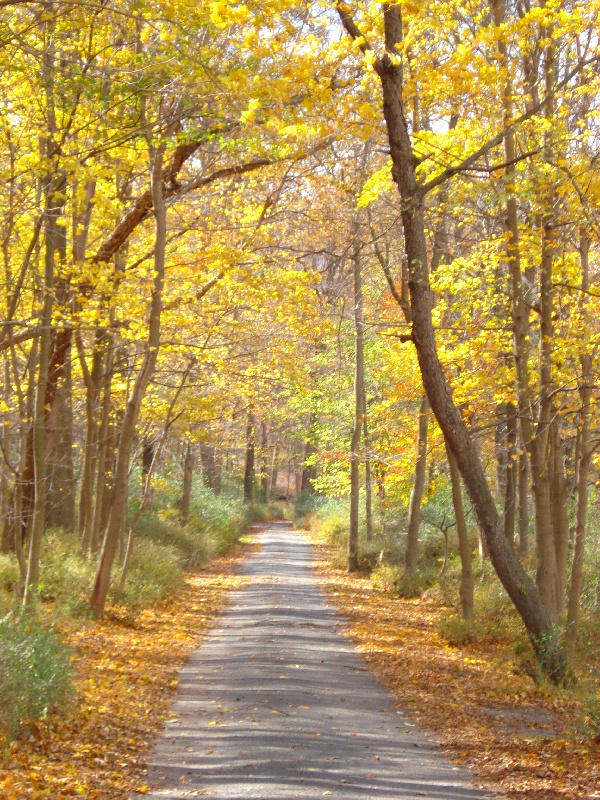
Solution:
(416, 495)
(105, 453)
(516, 581)
(117, 513)
(585, 393)
(53, 210)
(359, 397)
(249, 461)
(186, 492)
(368, 481)
(560, 519)
(264, 471)
(512, 465)
(60, 510)
(467, 582)
(523, 505)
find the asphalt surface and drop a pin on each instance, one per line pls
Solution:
(277, 704)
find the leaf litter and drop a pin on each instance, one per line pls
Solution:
(519, 739)
(126, 669)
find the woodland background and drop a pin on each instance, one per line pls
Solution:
(209, 305)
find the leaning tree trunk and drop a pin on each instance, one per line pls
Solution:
(119, 500)
(515, 580)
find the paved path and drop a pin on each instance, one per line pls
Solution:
(277, 704)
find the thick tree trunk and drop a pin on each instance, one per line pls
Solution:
(117, 513)
(51, 360)
(516, 581)
(467, 582)
(416, 495)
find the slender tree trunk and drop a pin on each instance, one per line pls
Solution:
(467, 582)
(416, 495)
(186, 493)
(585, 393)
(117, 514)
(368, 481)
(275, 468)
(516, 581)
(359, 396)
(249, 461)
(560, 519)
(523, 505)
(352, 555)
(105, 452)
(264, 471)
(512, 465)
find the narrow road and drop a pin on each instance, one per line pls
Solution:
(277, 704)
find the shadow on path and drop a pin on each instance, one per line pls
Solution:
(278, 704)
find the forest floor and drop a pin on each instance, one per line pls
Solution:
(521, 739)
(126, 668)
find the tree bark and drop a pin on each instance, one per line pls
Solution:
(467, 582)
(186, 492)
(523, 505)
(512, 465)
(416, 495)
(516, 581)
(359, 397)
(117, 513)
(249, 461)
(585, 393)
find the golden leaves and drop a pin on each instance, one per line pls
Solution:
(99, 750)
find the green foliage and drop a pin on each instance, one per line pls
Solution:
(155, 572)
(66, 575)
(192, 546)
(457, 630)
(590, 722)
(387, 576)
(10, 579)
(35, 672)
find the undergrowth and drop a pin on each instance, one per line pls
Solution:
(35, 673)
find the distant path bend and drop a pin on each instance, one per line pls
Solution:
(276, 704)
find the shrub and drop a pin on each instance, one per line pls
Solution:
(35, 671)
(387, 576)
(457, 630)
(10, 578)
(155, 572)
(66, 575)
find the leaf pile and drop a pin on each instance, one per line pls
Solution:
(519, 739)
(126, 673)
